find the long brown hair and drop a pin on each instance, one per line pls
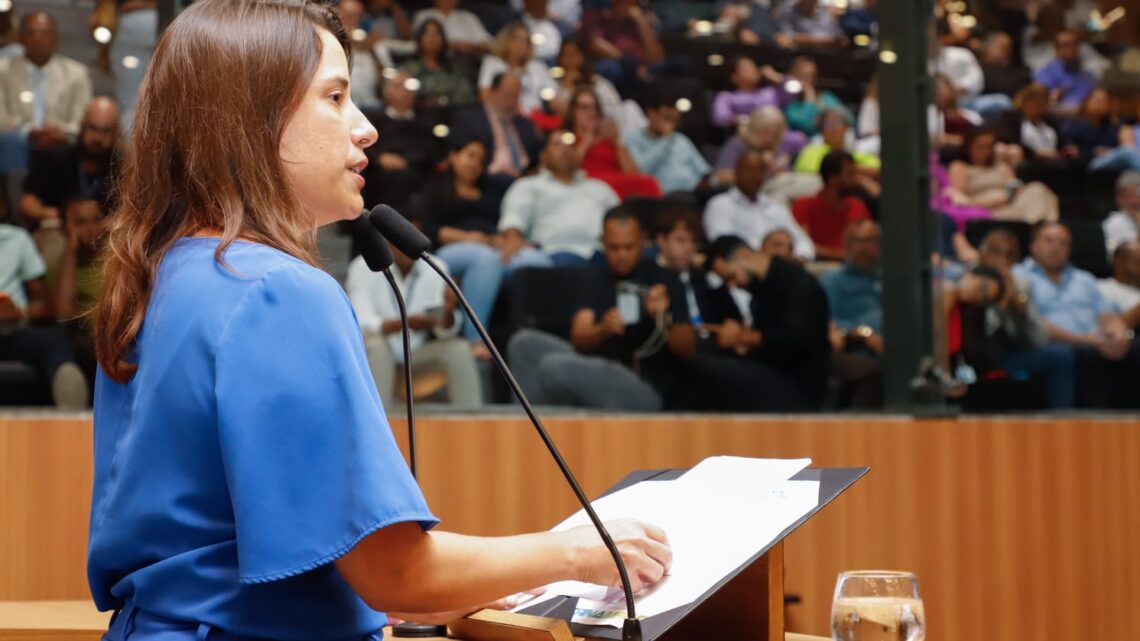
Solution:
(203, 155)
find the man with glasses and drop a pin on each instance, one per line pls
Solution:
(77, 171)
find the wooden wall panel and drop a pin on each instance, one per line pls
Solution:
(1018, 528)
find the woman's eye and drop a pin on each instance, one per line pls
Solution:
(337, 97)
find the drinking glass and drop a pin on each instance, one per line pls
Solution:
(877, 606)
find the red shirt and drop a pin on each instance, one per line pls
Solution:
(824, 222)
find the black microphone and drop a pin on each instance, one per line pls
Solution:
(414, 244)
(374, 249)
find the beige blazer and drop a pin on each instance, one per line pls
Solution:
(68, 92)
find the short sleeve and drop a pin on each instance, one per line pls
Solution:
(31, 264)
(310, 460)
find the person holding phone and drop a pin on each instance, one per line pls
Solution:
(246, 482)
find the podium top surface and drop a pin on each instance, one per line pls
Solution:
(832, 483)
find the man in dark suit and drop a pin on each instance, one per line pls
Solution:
(512, 142)
(407, 150)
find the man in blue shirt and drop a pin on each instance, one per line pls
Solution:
(663, 152)
(1069, 84)
(1074, 311)
(855, 292)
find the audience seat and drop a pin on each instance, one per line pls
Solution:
(544, 299)
(1089, 251)
(1100, 193)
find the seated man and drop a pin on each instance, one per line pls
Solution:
(75, 171)
(1076, 313)
(1123, 289)
(24, 299)
(622, 40)
(827, 214)
(778, 336)
(465, 32)
(554, 217)
(855, 293)
(44, 94)
(1002, 74)
(807, 22)
(545, 29)
(628, 341)
(433, 322)
(1068, 82)
(511, 140)
(663, 152)
(805, 102)
(765, 130)
(406, 151)
(1123, 224)
(746, 212)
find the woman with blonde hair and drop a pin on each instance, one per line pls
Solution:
(512, 51)
(247, 484)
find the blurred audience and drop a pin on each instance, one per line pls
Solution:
(986, 176)
(75, 280)
(663, 152)
(628, 341)
(364, 67)
(747, 95)
(441, 81)
(854, 293)
(807, 22)
(767, 132)
(405, 151)
(554, 217)
(1123, 225)
(807, 101)
(602, 153)
(1092, 136)
(623, 41)
(514, 53)
(461, 28)
(1123, 289)
(744, 211)
(1065, 78)
(42, 94)
(81, 170)
(545, 30)
(432, 320)
(575, 70)
(510, 138)
(826, 215)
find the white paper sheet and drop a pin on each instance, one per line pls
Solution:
(717, 515)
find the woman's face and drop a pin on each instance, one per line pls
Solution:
(322, 147)
(518, 47)
(431, 42)
(571, 59)
(586, 114)
(1035, 107)
(746, 76)
(467, 163)
(982, 149)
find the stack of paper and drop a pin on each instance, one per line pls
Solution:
(717, 516)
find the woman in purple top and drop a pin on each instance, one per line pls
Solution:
(746, 96)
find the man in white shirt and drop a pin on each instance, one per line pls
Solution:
(555, 217)
(42, 94)
(1123, 289)
(1123, 224)
(565, 11)
(544, 33)
(465, 32)
(745, 212)
(434, 325)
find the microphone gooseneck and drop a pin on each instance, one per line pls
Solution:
(413, 243)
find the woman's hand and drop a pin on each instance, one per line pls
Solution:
(644, 549)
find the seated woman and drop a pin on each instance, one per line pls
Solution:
(575, 69)
(1092, 137)
(1027, 125)
(1125, 156)
(441, 82)
(766, 130)
(806, 101)
(461, 216)
(513, 52)
(601, 151)
(731, 106)
(981, 179)
(947, 121)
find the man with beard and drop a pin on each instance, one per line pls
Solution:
(825, 215)
(79, 171)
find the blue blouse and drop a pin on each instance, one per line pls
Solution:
(248, 452)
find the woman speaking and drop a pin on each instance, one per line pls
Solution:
(247, 485)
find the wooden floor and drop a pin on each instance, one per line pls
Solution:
(1018, 528)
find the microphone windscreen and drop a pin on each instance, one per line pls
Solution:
(401, 233)
(372, 245)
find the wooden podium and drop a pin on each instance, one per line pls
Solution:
(748, 604)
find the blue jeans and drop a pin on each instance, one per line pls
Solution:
(1118, 159)
(13, 151)
(990, 104)
(479, 269)
(1057, 363)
